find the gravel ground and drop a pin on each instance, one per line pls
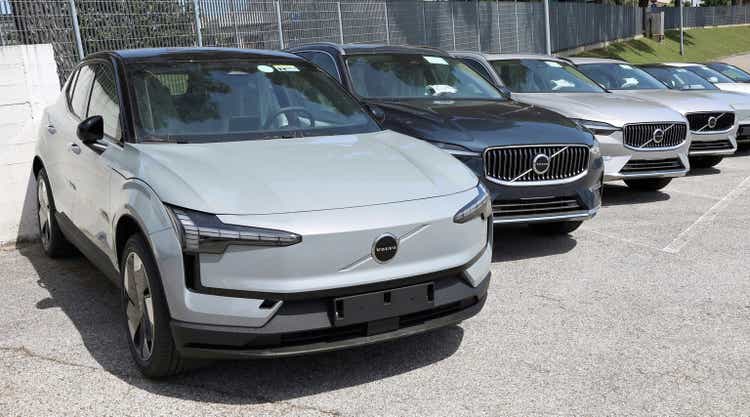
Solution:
(643, 311)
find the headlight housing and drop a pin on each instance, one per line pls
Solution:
(597, 128)
(480, 206)
(595, 150)
(456, 150)
(205, 233)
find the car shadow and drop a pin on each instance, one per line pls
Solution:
(91, 302)
(702, 172)
(619, 195)
(519, 242)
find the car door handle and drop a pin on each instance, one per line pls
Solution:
(74, 148)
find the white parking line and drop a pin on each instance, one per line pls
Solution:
(683, 238)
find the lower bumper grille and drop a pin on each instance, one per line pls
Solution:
(652, 165)
(536, 207)
(743, 133)
(714, 145)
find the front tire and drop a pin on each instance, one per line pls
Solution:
(54, 243)
(556, 228)
(705, 161)
(648, 184)
(145, 312)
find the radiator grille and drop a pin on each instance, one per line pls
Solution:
(642, 135)
(701, 122)
(515, 165)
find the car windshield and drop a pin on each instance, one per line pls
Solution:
(679, 78)
(616, 76)
(731, 71)
(412, 76)
(543, 76)
(709, 74)
(240, 100)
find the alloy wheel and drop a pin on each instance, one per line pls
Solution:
(44, 212)
(140, 307)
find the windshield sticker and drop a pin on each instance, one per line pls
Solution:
(265, 68)
(553, 64)
(440, 89)
(626, 67)
(286, 68)
(629, 82)
(436, 60)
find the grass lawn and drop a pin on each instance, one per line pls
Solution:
(700, 45)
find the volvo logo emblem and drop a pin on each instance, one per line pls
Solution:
(657, 136)
(384, 248)
(712, 121)
(540, 164)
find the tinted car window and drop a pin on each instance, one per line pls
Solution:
(325, 62)
(679, 78)
(543, 76)
(80, 100)
(241, 100)
(615, 76)
(412, 76)
(709, 74)
(731, 71)
(104, 100)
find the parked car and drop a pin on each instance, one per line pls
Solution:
(683, 80)
(734, 72)
(643, 143)
(250, 207)
(540, 167)
(721, 81)
(712, 121)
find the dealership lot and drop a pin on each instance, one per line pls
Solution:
(644, 310)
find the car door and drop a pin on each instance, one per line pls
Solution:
(92, 173)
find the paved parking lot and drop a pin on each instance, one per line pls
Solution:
(645, 310)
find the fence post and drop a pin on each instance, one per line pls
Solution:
(387, 26)
(499, 29)
(518, 39)
(453, 25)
(479, 27)
(76, 29)
(278, 22)
(341, 22)
(198, 27)
(424, 22)
(234, 23)
(546, 28)
(682, 44)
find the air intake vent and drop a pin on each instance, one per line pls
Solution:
(534, 164)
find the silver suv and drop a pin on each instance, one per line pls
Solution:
(248, 206)
(643, 143)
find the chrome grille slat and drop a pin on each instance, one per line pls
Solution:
(699, 121)
(639, 136)
(513, 165)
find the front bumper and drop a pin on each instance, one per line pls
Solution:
(578, 200)
(713, 144)
(617, 156)
(307, 326)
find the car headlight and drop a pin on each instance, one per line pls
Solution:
(480, 206)
(205, 233)
(456, 150)
(597, 128)
(595, 150)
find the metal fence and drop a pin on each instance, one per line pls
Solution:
(79, 27)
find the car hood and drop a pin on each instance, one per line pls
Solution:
(683, 101)
(614, 109)
(301, 174)
(736, 87)
(479, 124)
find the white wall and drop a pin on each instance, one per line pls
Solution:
(28, 83)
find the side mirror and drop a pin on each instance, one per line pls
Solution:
(91, 129)
(377, 112)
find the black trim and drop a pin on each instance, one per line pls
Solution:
(87, 248)
(193, 282)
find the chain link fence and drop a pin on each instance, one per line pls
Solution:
(79, 27)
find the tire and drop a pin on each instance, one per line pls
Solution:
(556, 228)
(54, 243)
(145, 313)
(705, 161)
(648, 184)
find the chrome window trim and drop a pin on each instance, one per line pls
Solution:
(534, 183)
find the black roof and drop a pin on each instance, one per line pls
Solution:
(369, 48)
(148, 54)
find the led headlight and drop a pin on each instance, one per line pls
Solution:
(597, 128)
(205, 233)
(455, 150)
(479, 206)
